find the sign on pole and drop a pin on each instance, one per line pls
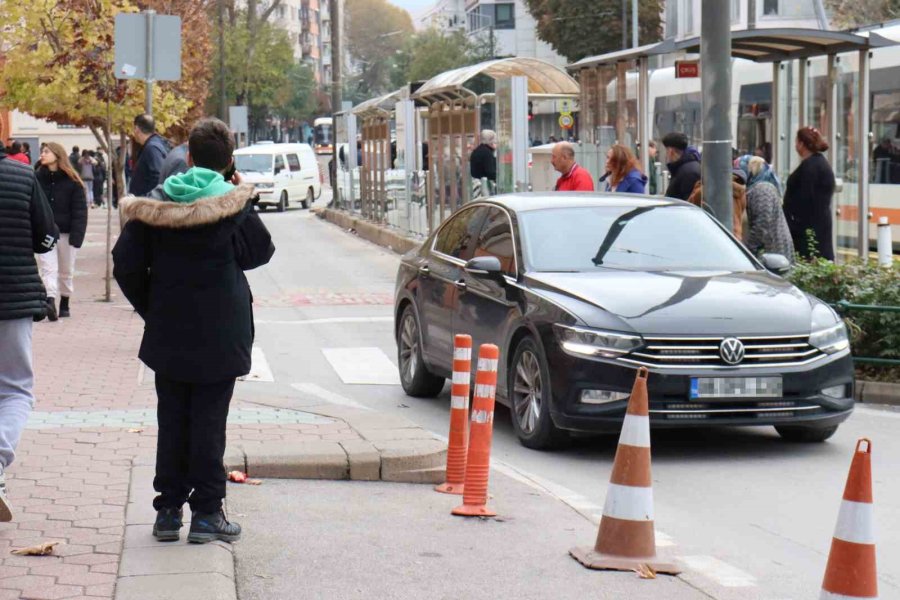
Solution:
(566, 121)
(148, 47)
(238, 122)
(687, 68)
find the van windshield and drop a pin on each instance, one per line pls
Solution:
(253, 163)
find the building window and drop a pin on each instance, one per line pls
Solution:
(770, 7)
(498, 16)
(505, 17)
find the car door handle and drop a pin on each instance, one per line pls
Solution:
(424, 271)
(460, 285)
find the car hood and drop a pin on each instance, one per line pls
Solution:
(681, 303)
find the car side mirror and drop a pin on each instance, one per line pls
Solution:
(777, 263)
(485, 266)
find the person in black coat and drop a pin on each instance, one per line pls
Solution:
(683, 162)
(807, 197)
(154, 149)
(26, 227)
(180, 261)
(65, 191)
(482, 161)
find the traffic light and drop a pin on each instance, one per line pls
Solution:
(530, 110)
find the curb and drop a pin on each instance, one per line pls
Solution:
(877, 392)
(369, 231)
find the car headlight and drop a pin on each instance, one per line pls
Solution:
(829, 334)
(595, 342)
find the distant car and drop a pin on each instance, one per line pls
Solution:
(579, 290)
(282, 173)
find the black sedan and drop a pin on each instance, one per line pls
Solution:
(579, 290)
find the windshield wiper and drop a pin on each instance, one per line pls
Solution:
(614, 232)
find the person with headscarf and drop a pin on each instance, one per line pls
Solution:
(768, 230)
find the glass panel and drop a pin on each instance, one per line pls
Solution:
(459, 236)
(843, 159)
(496, 240)
(504, 136)
(294, 162)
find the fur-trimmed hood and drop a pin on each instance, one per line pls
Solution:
(173, 215)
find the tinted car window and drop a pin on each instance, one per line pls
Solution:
(645, 238)
(459, 236)
(294, 162)
(279, 164)
(496, 239)
(253, 163)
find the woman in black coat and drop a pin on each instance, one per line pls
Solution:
(807, 197)
(65, 191)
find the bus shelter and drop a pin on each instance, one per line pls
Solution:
(374, 119)
(453, 120)
(841, 112)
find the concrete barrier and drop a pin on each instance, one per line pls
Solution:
(372, 232)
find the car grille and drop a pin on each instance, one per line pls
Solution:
(715, 410)
(703, 352)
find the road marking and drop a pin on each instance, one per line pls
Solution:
(888, 412)
(259, 368)
(718, 571)
(362, 366)
(333, 320)
(328, 396)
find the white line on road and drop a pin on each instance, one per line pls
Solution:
(328, 396)
(259, 367)
(718, 571)
(328, 321)
(362, 366)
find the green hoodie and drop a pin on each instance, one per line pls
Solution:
(195, 183)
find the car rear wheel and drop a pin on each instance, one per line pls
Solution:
(809, 435)
(310, 198)
(283, 201)
(529, 389)
(417, 381)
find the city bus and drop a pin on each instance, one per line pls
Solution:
(323, 135)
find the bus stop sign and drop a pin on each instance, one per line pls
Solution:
(566, 121)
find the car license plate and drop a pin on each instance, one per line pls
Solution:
(736, 387)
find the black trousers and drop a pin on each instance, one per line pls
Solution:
(191, 445)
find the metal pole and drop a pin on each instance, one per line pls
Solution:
(644, 112)
(634, 23)
(624, 24)
(776, 115)
(751, 14)
(831, 112)
(715, 73)
(336, 57)
(223, 97)
(148, 87)
(802, 92)
(862, 180)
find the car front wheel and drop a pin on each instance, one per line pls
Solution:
(310, 198)
(529, 389)
(809, 435)
(415, 378)
(283, 202)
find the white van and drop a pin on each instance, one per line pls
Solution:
(282, 173)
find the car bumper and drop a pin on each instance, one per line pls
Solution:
(802, 402)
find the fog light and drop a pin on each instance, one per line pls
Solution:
(835, 391)
(602, 396)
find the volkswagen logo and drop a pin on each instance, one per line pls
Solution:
(731, 350)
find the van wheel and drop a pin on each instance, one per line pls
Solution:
(310, 198)
(283, 201)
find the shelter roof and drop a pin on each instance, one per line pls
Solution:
(378, 106)
(543, 78)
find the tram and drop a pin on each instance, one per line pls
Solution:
(323, 135)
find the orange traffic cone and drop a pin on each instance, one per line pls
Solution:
(851, 570)
(626, 539)
(459, 416)
(478, 463)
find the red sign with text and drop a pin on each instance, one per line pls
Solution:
(687, 68)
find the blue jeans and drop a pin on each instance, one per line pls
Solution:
(16, 385)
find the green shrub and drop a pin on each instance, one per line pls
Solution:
(872, 334)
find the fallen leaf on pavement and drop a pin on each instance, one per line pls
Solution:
(135, 430)
(237, 476)
(44, 549)
(254, 482)
(645, 571)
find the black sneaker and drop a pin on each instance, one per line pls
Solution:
(5, 508)
(51, 309)
(64, 307)
(212, 526)
(168, 525)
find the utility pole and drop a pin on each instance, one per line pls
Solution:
(634, 23)
(223, 98)
(715, 73)
(624, 24)
(148, 82)
(336, 57)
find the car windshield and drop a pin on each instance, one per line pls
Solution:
(643, 238)
(253, 163)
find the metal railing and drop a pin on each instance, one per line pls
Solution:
(844, 308)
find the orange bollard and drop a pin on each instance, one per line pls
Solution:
(459, 416)
(626, 539)
(851, 571)
(478, 464)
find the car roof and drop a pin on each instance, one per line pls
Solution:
(271, 148)
(524, 202)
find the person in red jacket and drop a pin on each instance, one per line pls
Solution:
(574, 177)
(16, 153)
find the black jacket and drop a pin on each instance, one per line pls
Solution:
(26, 227)
(66, 197)
(483, 163)
(182, 268)
(145, 176)
(807, 205)
(685, 174)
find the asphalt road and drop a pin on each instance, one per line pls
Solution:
(749, 515)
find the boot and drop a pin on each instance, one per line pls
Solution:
(168, 525)
(208, 527)
(5, 508)
(51, 309)
(64, 306)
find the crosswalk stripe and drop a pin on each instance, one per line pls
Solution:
(321, 393)
(362, 366)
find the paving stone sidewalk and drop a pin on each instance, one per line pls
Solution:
(94, 416)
